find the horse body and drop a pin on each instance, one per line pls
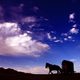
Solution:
(53, 67)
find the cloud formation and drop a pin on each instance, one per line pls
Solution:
(74, 30)
(72, 17)
(34, 70)
(76, 65)
(14, 42)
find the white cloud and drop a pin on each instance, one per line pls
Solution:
(73, 60)
(74, 31)
(72, 17)
(54, 38)
(75, 25)
(69, 37)
(9, 29)
(58, 41)
(65, 39)
(76, 65)
(31, 21)
(64, 34)
(34, 70)
(49, 36)
(12, 42)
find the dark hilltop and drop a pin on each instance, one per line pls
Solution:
(10, 74)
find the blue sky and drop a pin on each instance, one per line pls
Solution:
(35, 32)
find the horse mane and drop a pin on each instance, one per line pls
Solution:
(51, 64)
(48, 64)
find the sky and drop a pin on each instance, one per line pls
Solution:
(33, 32)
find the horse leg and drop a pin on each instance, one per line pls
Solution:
(58, 71)
(50, 71)
(61, 71)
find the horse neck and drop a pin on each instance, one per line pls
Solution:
(47, 65)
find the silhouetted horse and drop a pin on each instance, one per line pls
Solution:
(53, 67)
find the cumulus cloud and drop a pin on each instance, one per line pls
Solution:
(72, 17)
(74, 30)
(30, 21)
(75, 25)
(49, 36)
(13, 42)
(9, 29)
(53, 38)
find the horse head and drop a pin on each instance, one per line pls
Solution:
(46, 65)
